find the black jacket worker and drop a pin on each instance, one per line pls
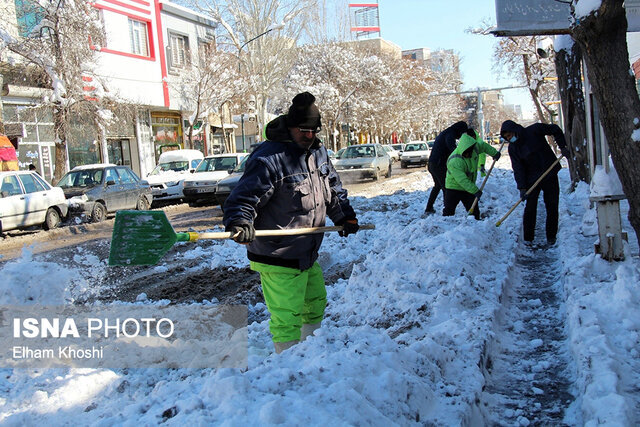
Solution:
(531, 156)
(443, 146)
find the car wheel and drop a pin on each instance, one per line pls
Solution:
(142, 204)
(403, 165)
(51, 220)
(99, 212)
(388, 175)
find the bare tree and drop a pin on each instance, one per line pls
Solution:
(264, 58)
(602, 36)
(59, 43)
(211, 81)
(568, 59)
(519, 56)
(329, 23)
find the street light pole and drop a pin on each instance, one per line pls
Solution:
(479, 93)
(276, 27)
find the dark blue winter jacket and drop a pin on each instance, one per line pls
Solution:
(445, 143)
(531, 154)
(285, 186)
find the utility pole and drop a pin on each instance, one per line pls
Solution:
(276, 27)
(478, 91)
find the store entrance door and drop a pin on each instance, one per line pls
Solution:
(119, 151)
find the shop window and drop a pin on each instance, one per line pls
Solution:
(138, 37)
(46, 132)
(9, 113)
(31, 135)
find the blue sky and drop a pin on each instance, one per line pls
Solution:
(441, 24)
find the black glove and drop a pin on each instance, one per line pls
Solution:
(478, 194)
(497, 156)
(471, 133)
(349, 226)
(565, 152)
(523, 194)
(242, 233)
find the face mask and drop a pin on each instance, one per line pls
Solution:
(513, 139)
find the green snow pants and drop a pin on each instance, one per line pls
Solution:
(293, 297)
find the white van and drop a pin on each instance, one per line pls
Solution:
(173, 167)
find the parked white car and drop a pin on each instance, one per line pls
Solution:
(166, 180)
(364, 161)
(200, 186)
(26, 199)
(392, 152)
(415, 153)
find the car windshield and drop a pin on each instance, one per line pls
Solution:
(339, 153)
(358, 151)
(217, 164)
(241, 166)
(415, 147)
(81, 178)
(170, 166)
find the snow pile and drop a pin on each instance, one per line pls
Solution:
(603, 312)
(403, 338)
(585, 8)
(35, 282)
(606, 184)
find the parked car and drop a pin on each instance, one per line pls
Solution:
(398, 147)
(98, 189)
(26, 200)
(392, 152)
(200, 187)
(365, 160)
(226, 185)
(166, 179)
(415, 153)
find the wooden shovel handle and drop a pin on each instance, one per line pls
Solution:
(535, 184)
(475, 201)
(273, 233)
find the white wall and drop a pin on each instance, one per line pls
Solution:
(132, 79)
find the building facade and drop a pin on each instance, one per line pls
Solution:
(149, 45)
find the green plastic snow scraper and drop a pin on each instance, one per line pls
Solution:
(143, 237)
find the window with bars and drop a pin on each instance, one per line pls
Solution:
(179, 50)
(138, 37)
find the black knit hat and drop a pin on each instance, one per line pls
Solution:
(303, 112)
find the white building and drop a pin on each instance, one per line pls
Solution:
(149, 45)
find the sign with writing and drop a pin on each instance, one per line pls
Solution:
(47, 170)
(532, 17)
(544, 17)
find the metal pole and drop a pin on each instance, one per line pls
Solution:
(244, 148)
(480, 115)
(1, 120)
(277, 27)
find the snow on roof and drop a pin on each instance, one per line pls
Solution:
(93, 166)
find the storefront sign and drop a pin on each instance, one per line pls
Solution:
(543, 17)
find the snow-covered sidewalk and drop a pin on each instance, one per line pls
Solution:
(403, 339)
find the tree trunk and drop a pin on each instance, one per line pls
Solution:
(533, 92)
(603, 40)
(568, 69)
(60, 122)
